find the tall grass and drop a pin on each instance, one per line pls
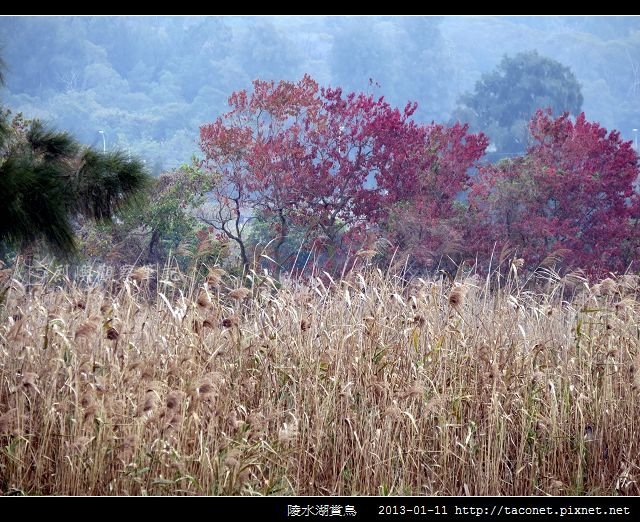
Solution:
(367, 385)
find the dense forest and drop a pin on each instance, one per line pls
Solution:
(148, 83)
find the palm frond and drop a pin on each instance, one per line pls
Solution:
(105, 183)
(33, 205)
(52, 144)
(46, 179)
(4, 129)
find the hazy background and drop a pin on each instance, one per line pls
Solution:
(150, 82)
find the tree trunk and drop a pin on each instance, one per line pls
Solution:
(153, 243)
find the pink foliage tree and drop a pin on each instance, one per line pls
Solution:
(426, 213)
(333, 165)
(572, 195)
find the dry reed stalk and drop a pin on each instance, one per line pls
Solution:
(328, 388)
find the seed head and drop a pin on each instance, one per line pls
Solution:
(608, 286)
(204, 301)
(240, 293)
(112, 334)
(142, 273)
(457, 295)
(214, 277)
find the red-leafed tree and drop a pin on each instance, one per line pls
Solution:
(254, 149)
(330, 164)
(425, 218)
(573, 192)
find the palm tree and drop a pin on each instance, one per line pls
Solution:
(47, 179)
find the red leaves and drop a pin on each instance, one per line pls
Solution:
(572, 191)
(338, 167)
(422, 191)
(337, 164)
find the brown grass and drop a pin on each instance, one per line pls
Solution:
(367, 386)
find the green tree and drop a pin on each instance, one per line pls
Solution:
(165, 222)
(169, 214)
(505, 100)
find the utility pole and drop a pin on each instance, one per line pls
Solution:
(104, 142)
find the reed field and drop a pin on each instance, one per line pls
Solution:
(373, 383)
